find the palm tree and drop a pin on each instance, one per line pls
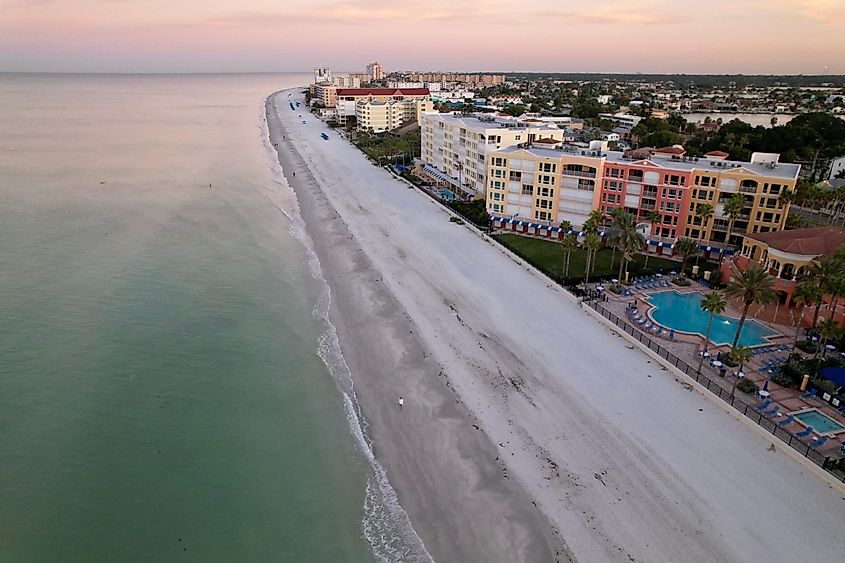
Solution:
(626, 238)
(733, 211)
(565, 227)
(592, 243)
(714, 304)
(739, 355)
(807, 292)
(687, 248)
(614, 213)
(652, 217)
(828, 329)
(568, 244)
(754, 285)
(824, 273)
(705, 211)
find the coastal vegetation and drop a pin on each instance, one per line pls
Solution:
(551, 258)
(384, 148)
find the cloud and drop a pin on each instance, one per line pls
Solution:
(457, 12)
(827, 12)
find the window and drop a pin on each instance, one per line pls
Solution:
(498, 161)
(548, 167)
(527, 189)
(548, 180)
(546, 192)
(515, 176)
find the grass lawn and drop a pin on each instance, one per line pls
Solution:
(548, 257)
(384, 148)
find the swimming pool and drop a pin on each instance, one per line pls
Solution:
(820, 422)
(682, 312)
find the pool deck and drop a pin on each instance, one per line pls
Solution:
(688, 347)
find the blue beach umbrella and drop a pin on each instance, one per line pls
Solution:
(766, 385)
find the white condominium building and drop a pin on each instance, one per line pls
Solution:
(455, 148)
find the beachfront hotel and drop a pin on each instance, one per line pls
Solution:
(664, 180)
(346, 102)
(455, 148)
(375, 116)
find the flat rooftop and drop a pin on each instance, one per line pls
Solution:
(471, 122)
(782, 170)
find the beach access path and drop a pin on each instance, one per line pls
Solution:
(621, 457)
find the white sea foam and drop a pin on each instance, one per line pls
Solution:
(385, 523)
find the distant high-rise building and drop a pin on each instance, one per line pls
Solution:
(322, 75)
(375, 71)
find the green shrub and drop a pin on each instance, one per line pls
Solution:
(825, 385)
(747, 386)
(784, 380)
(729, 361)
(682, 282)
(807, 346)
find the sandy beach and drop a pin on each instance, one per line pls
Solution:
(530, 431)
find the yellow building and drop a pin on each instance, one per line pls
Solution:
(762, 182)
(545, 183)
(326, 93)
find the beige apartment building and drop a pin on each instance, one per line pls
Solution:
(374, 116)
(347, 99)
(455, 148)
(545, 182)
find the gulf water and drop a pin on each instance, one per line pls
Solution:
(161, 393)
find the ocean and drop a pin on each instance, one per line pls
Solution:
(162, 391)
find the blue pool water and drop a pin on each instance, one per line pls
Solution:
(820, 422)
(682, 312)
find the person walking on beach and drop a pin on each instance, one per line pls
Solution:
(401, 402)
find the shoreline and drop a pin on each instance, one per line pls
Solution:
(595, 434)
(446, 496)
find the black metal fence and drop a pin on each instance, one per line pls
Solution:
(713, 385)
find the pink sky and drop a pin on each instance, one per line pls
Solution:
(750, 36)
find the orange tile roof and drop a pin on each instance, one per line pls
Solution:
(818, 241)
(672, 150)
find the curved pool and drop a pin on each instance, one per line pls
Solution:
(682, 312)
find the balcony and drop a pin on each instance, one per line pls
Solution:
(648, 206)
(579, 173)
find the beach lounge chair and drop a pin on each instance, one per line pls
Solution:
(659, 331)
(764, 405)
(842, 448)
(771, 412)
(809, 394)
(786, 421)
(841, 408)
(672, 334)
(819, 442)
(804, 433)
(648, 326)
